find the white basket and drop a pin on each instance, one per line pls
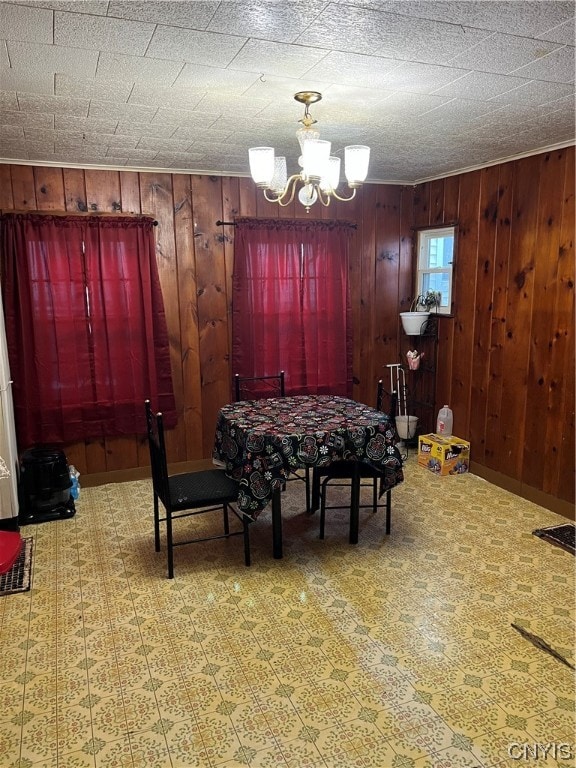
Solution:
(406, 426)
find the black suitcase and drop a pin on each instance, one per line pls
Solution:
(44, 489)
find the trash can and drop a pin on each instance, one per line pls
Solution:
(44, 489)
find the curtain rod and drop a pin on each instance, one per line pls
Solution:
(84, 214)
(233, 223)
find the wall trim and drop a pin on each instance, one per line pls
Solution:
(559, 506)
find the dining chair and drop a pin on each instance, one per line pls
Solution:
(340, 473)
(258, 387)
(187, 494)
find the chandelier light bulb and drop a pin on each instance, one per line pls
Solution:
(261, 165)
(356, 159)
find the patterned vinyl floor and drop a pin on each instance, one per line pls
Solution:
(395, 653)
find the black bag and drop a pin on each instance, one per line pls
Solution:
(44, 489)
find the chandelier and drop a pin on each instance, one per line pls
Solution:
(320, 174)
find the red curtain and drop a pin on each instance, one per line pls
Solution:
(291, 305)
(85, 326)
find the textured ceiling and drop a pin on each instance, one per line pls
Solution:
(432, 87)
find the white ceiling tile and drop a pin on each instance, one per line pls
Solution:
(11, 132)
(217, 82)
(186, 118)
(85, 124)
(194, 15)
(280, 22)
(145, 129)
(503, 54)
(138, 113)
(155, 95)
(480, 85)
(107, 90)
(421, 78)
(52, 58)
(27, 80)
(20, 22)
(97, 7)
(63, 106)
(161, 145)
(193, 46)
(100, 33)
(276, 58)
(27, 119)
(535, 92)
(556, 66)
(116, 66)
(8, 100)
(354, 69)
(186, 134)
(212, 103)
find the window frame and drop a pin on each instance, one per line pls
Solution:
(430, 232)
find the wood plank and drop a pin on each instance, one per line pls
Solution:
(516, 349)
(187, 300)
(464, 301)
(494, 447)
(212, 303)
(230, 209)
(130, 192)
(74, 190)
(558, 456)
(489, 200)
(387, 255)
(157, 199)
(49, 185)
(365, 264)
(6, 199)
(23, 188)
(539, 387)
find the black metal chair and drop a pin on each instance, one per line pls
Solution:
(257, 387)
(340, 473)
(187, 494)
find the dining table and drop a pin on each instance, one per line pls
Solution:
(260, 443)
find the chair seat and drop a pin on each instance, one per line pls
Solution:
(198, 489)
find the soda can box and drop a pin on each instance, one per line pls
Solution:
(444, 455)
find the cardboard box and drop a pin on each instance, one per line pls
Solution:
(444, 455)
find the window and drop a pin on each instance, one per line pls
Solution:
(435, 262)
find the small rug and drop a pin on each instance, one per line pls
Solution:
(560, 535)
(18, 578)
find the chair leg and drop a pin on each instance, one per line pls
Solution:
(374, 495)
(156, 525)
(308, 493)
(246, 526)
(388, 510)
(169, 544)
(226, 520)
(323, 492)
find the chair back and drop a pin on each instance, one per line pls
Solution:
(258, 387)
(155, 428)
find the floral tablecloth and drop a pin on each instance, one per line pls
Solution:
(261, 441)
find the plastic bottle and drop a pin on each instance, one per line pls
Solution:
(444, 422)
(75, 487)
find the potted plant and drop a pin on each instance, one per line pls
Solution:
(414, 322)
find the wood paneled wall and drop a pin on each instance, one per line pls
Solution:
(506, 357)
